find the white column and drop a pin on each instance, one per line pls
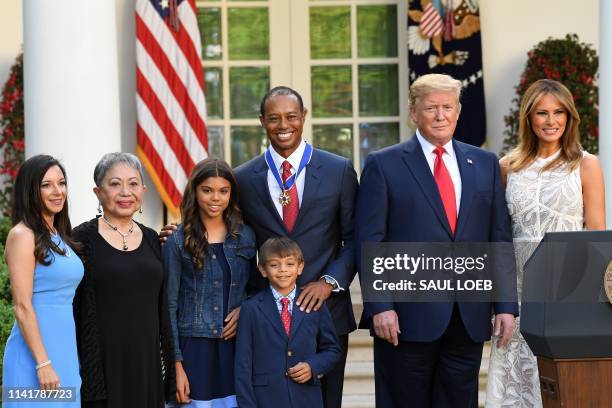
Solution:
(605, 100)
(72, 90)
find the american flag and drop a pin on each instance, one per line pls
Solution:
(171, 133)
(431, 23)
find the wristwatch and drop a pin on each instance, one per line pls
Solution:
(331, 281)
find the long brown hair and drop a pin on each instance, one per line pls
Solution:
(28, 208)
(193, 228)
(527, 150)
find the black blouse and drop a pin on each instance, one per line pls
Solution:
(93, 387)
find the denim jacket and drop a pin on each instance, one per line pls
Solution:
(195, 295)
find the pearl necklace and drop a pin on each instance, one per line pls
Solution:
(123, 235)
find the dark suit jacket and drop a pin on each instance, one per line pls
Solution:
(399, 202)
(264, 353)
(324, 228)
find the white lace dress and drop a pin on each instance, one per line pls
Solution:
(537, 203)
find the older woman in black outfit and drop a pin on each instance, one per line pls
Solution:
(123, 331)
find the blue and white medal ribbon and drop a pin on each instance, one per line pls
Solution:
(286, 186)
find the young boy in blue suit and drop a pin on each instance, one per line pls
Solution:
(281, 351)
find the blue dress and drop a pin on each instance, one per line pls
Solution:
(53, 291)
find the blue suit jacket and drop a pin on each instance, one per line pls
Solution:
(324, 229)
(399, 202)
(264, 353)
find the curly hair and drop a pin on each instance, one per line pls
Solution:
(193, 228)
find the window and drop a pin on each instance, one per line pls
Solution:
(346, 58)
(236, 60)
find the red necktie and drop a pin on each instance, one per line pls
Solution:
(290, 211)
(446, 188)
(285, 315)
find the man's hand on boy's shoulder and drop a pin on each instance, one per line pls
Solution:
(313, 295)
(300, 373)
(166, 231)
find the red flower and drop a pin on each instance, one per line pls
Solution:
(547, 72)
(12, 79)
(11, 131)
(6, 107)
(585, 79)
(19, 145)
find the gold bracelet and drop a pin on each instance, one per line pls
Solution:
(43, 364)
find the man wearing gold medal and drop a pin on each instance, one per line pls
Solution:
(308, 195)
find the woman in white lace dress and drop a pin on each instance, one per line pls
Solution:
(551, 185)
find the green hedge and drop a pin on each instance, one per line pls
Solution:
(574, 64)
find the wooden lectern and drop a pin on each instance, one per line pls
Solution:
(580, 383)
(566, 318)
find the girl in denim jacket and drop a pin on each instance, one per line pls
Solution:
(208, 261)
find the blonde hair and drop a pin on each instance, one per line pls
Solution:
(429, 83)
(527, 150)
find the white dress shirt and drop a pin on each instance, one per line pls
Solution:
(294, 159)
(278, 297)
(275, 190)
(450, 161)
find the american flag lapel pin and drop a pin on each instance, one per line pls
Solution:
(469, 161)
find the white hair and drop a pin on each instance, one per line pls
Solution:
(110, 159)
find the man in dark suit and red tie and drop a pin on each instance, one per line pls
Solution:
(308, 195)
(432, 188)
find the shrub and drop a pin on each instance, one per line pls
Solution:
(575, 65)
(11, 133)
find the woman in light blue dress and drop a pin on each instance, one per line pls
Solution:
(44, 271)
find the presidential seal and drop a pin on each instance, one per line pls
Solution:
(608, 281)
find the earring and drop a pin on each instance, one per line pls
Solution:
(99, 209)
(140, 211)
